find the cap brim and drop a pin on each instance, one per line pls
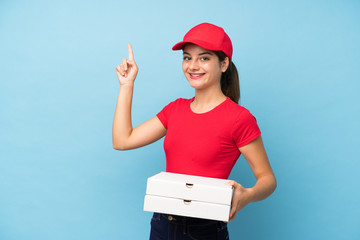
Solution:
(200, 43)
(178, 46)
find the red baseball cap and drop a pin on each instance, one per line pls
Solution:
(208, 36)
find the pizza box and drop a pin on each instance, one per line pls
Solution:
(188, 195)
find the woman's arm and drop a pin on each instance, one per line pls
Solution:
(124, 136)
(255, 155)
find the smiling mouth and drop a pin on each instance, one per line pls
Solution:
(196, 75)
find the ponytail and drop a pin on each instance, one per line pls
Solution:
(229, 80)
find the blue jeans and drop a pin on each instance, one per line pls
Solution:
(172, 227)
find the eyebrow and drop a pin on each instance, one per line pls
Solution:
(210, 53)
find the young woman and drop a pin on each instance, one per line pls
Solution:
(205, 135)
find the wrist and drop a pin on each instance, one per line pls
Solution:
(250, 192)
(127, 86)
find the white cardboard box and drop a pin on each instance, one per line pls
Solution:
(188, 195)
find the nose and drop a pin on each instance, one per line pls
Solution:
(194, 65)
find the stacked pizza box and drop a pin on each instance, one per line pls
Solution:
(187, 195)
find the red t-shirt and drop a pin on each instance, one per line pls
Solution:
(206, 144)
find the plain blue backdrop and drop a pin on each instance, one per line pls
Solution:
(60, 178)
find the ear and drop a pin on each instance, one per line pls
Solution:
(225, 64)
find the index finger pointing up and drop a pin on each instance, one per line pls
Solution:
(131, 54)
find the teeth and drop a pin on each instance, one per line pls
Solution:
(196, 75)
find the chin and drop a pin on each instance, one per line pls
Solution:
(195, 85)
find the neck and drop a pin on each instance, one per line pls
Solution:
(205, 100)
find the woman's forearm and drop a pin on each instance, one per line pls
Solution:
(263, 188)
(122, 126)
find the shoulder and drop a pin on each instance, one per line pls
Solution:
(245, 128)
(183, 100)
(237, 109)
(239, 113)
(180, 102)
(177, 105)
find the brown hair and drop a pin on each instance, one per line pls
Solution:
(229, 79)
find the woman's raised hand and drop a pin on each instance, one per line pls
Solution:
(127, 70)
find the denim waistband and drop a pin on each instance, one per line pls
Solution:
(175, 219)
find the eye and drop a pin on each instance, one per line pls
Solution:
(204, 59)
(186, 58)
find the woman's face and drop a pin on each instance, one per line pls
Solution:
(202, 67)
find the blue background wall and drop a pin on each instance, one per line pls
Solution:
(299, 74)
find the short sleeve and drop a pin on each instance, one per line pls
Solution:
(165, 113)
(245, 129)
